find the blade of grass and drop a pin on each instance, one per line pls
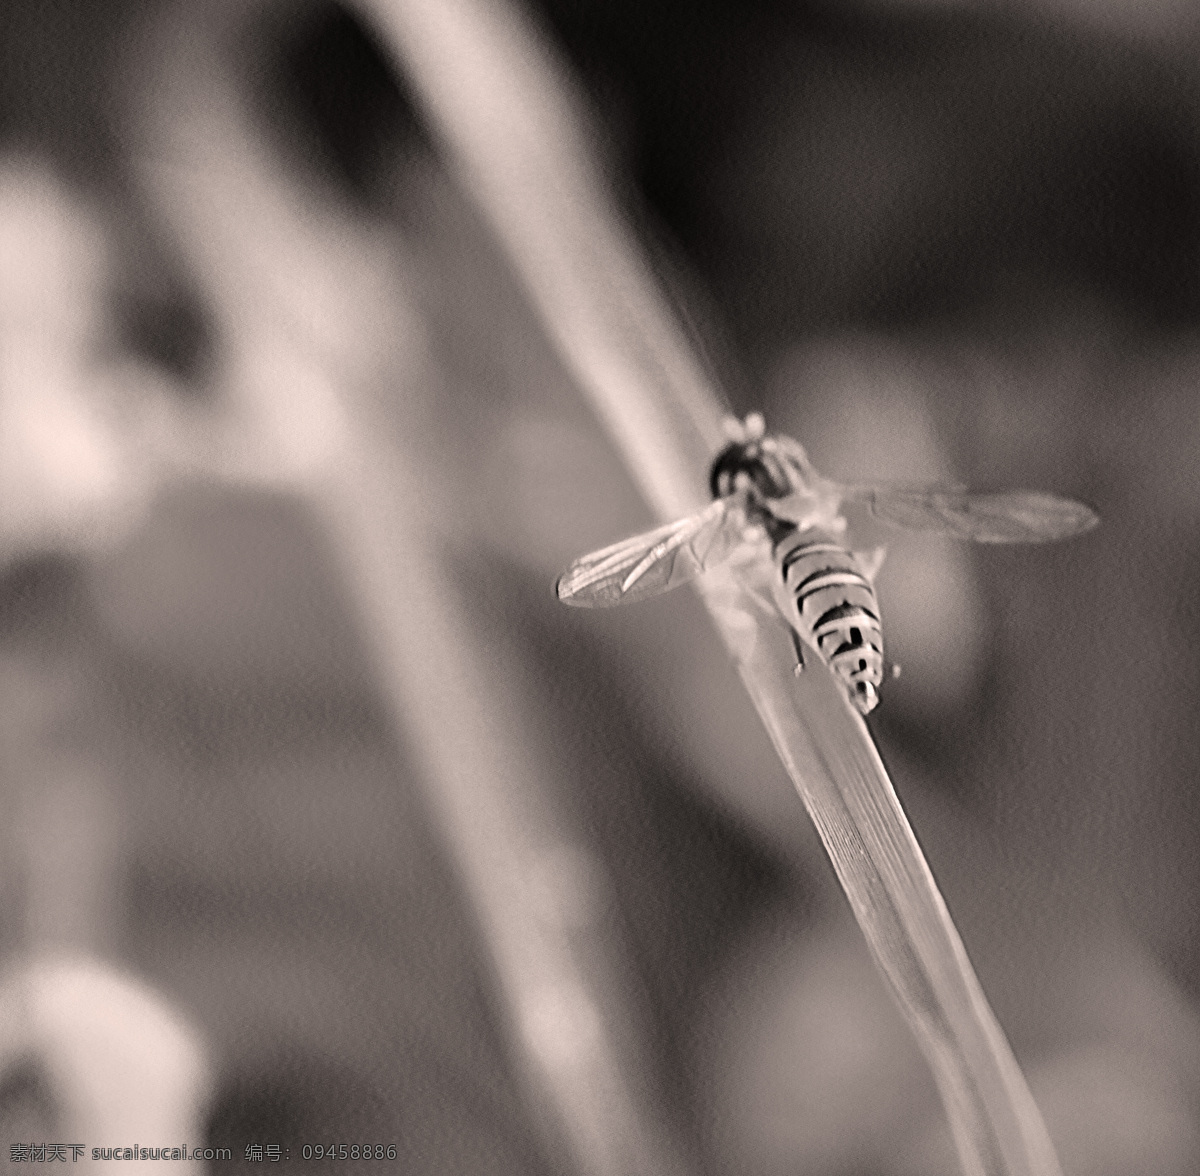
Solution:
(512, 126)
(318, 332)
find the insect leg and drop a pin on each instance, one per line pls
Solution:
(798, 645)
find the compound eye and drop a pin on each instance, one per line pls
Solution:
(723, 476)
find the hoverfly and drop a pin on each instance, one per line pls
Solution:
(764, 486)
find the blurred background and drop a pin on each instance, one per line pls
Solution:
(931, 241)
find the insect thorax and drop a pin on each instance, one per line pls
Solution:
(832, 603)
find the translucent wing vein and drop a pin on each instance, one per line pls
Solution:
(1020, 516)
(655, 562)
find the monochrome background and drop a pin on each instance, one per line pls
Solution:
(934, 242)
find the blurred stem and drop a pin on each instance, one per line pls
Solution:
(511, 125)
(62, 860)
(327, 378)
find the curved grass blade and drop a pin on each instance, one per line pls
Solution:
(510, 123)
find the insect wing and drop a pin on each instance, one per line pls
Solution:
(657, 561)
(1018, 516)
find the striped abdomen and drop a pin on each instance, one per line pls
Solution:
(836, 610)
